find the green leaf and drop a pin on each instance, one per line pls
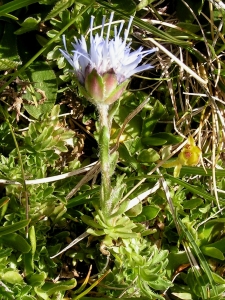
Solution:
(82, 198)
(89, 221)
(15, 5)
(10, 16)
(28, 263)
(5, 252)
(183, 296)
(127, 7)
(160, 284)
(59, 7)
(215, 250)
(96, 232)
(170, 138)
(206, 231)
(117, 193)
(61, 146)
(189, 26)
(130, 160)
(135, 211)
(162, 138)
(26, 297)
(3, 201)
(220, 292)
(159, 257)
(153, 141)
(106, 298)
(212, 252)
(176, 259)
(133, 128)
(148, 156)
(147, 275)
(149, 212)
(50, 288)
(28, 24)
(44, 89)
(45, 134)
(7, 64)
(14, 227)
(218, 279)
(32, 238)
(9, 57)
(16, 241)
(12, 277)
(37, 279)
(150, 122)
(133, 145)
(192, 203)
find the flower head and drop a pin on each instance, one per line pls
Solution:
(104, 69)
(190, 154)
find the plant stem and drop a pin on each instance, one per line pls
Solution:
(104, 139)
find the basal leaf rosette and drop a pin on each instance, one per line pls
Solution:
(120, 228)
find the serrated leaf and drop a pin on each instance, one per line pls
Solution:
(44, 88)
(9, 57)
(6, 64)
(160, 284)
(148, 276)
(159, 257)
(61, 146)
(59, 7)
(28, 24)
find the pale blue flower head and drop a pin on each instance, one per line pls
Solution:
(104, 69)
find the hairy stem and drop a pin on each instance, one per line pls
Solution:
(104, 139)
